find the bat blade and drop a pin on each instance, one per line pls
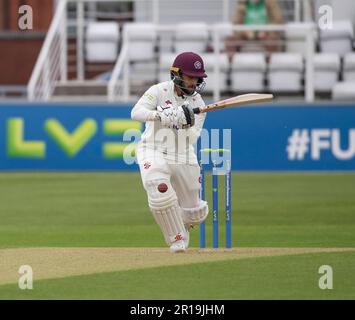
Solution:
(240, 100)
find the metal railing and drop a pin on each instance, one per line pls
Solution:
(51, 64)
(118, 88)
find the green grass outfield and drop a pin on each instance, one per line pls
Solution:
(116, 251)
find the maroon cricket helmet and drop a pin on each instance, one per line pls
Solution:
(190, 64)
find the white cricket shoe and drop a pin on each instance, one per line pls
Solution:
(178, 246)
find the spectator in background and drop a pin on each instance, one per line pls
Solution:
(255, 12)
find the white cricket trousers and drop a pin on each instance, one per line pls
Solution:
(184, 178)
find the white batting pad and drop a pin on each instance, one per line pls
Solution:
(195, 216)
(170, 223)
(166, 211)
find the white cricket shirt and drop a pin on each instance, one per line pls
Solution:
(176, 146)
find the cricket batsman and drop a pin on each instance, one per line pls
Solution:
(167, 161)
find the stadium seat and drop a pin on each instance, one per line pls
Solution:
(248, 72)
(143, 72)
(191, 37)
(295, 37)
(338, 39)
(102, 40)
(285, 72)
(142, 40)
(224, 30)
(344, 91)
(165, 62)
(326, 71)
(210, 61)
(349, 67)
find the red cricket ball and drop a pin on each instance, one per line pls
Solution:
(162, 187)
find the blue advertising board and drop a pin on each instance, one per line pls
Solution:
(97, 137)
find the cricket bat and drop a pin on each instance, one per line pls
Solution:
(236, 101)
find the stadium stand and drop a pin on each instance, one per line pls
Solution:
(338, 39)
(248, 72)
(349, 67)
(102, 39)
(344, 91)
(285, 72)
(220, 78)
(326, 71)
(84, 51)
(191, 37)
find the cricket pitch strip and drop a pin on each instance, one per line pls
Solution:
(49, 263)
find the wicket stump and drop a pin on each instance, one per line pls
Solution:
(228, 206)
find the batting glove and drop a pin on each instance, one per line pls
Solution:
(181, 117)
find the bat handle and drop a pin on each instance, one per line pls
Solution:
(196, 110)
